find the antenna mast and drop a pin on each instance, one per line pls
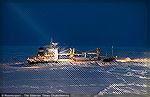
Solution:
(51, 38)
(112, 51)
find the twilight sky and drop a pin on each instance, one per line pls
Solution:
(75, 23)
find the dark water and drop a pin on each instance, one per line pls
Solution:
(119, 78)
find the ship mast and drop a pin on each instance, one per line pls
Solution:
(51, 38)
(112, 50)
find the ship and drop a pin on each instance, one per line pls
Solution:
(52, 54)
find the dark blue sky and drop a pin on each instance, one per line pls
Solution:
(75, 23)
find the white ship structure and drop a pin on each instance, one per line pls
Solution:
(52, 54)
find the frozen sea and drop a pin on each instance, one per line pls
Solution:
(92, 78)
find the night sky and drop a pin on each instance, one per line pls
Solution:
(123, 24)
